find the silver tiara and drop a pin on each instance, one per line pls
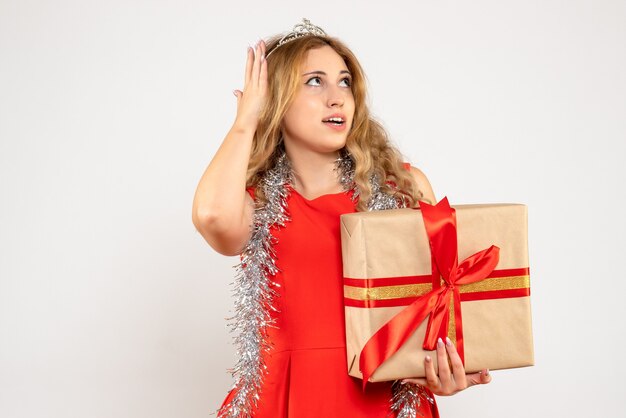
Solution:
(306, 28)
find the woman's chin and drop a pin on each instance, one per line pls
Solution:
(334, 147)
(322, 144)
(336, 142)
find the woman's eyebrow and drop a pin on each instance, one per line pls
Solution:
(323, 73)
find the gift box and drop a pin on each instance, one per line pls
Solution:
(414, 275)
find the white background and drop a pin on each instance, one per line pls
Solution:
(112, 305)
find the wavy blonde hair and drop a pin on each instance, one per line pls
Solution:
(367, 141)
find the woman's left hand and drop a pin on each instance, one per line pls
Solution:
(448, 382)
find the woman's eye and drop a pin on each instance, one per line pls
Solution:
(347, 80)
(314, 78)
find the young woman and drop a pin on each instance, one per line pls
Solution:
(303, 150)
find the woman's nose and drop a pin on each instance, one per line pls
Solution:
(335, 97)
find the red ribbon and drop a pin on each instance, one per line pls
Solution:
(440, 222)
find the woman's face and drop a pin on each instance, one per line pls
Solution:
(325, 90)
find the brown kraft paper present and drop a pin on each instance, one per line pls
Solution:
(388, 265)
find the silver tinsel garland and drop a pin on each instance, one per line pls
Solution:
(406, 399)
(254, 291)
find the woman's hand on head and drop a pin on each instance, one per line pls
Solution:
(448, 382)
(250, 101)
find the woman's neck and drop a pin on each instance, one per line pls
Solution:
(314, 174)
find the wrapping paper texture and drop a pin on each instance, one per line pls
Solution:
(391, 247)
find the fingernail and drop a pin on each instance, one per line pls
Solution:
(448, 342)
(235, 93)
(439, 342)
(262, 57)
(487, 372)
(402, 382)
(427, 358)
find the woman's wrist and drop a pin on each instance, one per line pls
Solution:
(244, 126)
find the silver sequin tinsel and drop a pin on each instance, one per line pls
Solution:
(255, 292)
(407, 398)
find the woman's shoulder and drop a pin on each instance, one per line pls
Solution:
(423, 184)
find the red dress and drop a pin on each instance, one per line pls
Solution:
(308, 376)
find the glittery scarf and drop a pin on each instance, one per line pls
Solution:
(255, 292)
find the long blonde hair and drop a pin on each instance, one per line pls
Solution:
(367, 141)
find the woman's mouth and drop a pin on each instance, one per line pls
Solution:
(335, 123)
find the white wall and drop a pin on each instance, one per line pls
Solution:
(112, 305)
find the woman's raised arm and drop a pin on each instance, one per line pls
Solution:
(222, 209)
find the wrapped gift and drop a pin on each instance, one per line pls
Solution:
(414, 275)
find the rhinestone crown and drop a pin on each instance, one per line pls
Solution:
(306, 28)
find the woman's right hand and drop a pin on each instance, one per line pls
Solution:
(251, 100)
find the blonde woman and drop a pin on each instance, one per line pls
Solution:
(303, 150)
